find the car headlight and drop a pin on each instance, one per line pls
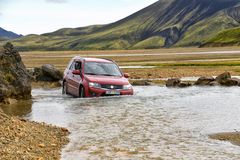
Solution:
(95, 85)
(127, 87)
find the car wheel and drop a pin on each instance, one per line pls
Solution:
(81, 92)
(64, 88)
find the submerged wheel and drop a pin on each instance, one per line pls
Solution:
(81, 92)
(64, 88)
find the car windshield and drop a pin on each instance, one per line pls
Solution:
(99, 68)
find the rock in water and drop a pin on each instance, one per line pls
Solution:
(52, 72)
(173, 82)
(222, 77)
(184, 84)
(46, 73)
(15, 81)
(230, 82)
(204, 81)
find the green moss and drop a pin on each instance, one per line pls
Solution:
(150, 43)
(227, 36)
(9, 77)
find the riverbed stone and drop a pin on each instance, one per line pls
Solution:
(47, 73)
(222, 77)
(213, 83)
(184, 84)
(202, 81)
(51, 71)
(230, 82)
(173, 82)
(15, 82)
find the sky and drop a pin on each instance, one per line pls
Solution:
(43, 16)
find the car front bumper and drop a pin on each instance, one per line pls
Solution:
(99, 92)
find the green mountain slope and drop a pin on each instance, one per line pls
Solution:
(165, 23)
(230, 37)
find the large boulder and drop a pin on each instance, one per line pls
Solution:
(222, 77)
(202, 81)
(225, 79)
(15, 82)
(51, 71)
(47, 73)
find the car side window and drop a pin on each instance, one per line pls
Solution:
(72, 66)
(78, 65)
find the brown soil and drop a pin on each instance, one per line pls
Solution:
(233, 137)
(21, 139)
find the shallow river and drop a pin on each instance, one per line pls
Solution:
(155, 123)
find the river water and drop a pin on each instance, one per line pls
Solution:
(155, 123)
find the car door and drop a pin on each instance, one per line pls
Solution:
(74, 79)
(69, 73)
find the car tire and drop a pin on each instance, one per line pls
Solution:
(64, 88)
(81, 92)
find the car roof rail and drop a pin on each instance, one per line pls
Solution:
(78, 57)
(109, 59)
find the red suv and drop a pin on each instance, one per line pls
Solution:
(91, 77)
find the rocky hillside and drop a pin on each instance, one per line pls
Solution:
(14, 80)
(166, 23)
(4, 34)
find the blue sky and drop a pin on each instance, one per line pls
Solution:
(42, 16)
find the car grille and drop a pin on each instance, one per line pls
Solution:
(109, 86)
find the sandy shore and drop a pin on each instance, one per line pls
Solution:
(21, 139)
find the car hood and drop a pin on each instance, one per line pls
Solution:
(107, 80)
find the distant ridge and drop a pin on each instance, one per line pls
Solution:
(4, 34)
(166, 23)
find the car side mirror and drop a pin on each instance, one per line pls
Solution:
(126, 75)
(76, 72)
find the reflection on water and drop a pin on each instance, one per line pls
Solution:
(155, 123)
(21, 108)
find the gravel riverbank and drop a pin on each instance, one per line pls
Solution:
(21, 139)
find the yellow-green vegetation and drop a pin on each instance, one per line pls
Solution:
(165, 23)
(150, 43)
(228, 37)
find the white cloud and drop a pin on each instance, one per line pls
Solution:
(57, 1)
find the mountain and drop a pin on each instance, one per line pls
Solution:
(166, 23)
(4, 34)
